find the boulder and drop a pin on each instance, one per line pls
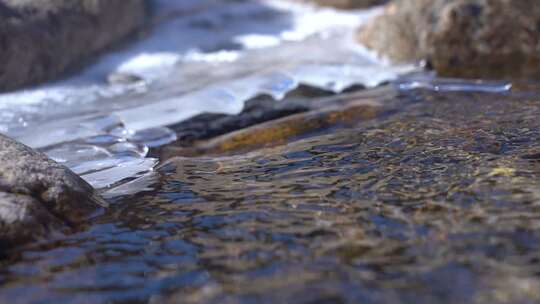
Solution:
(460, 38)
(42, 39)
(39, 196)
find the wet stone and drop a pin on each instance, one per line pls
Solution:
(257, 110)
(260, 109)
(266, 122)
(38, 196)
(402, 209)
(462, 38)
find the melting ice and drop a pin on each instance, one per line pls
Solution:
(201, 56)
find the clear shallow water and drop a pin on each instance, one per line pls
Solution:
(437, 203)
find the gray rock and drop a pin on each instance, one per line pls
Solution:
(38, 195)
(23, 218)
(42, 39)
(461, 38)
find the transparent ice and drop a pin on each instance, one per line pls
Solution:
(201, 56)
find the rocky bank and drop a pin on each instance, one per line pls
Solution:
(40, 40)
(461, 38)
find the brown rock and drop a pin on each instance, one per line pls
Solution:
(41, 39)
(462, 38)
(280, 131)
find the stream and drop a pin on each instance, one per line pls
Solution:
(439, 190)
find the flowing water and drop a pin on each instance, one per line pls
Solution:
(199, 57)
(434, 200)
(438, 203)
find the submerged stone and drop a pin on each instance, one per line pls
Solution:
(57, 35)
(266, 122)
(261, 109)
(460, 38)
(436, 203)
(257, 110)
(282, 130)
(38, 195)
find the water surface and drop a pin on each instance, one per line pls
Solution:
(437, 203)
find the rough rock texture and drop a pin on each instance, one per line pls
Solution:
(464, 38)
(348, 4)
(22, 217)
(41, 39)
(38, 195)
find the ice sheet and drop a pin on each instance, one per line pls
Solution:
(200, 56)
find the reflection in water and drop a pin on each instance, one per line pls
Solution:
(437, 203)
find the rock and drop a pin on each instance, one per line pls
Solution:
(265, 122)
(283, 130)
(264, 108)
(460, 38)
(23, 218)
(257, 110)
(348, 4)
(59, 35)
(38, 195)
